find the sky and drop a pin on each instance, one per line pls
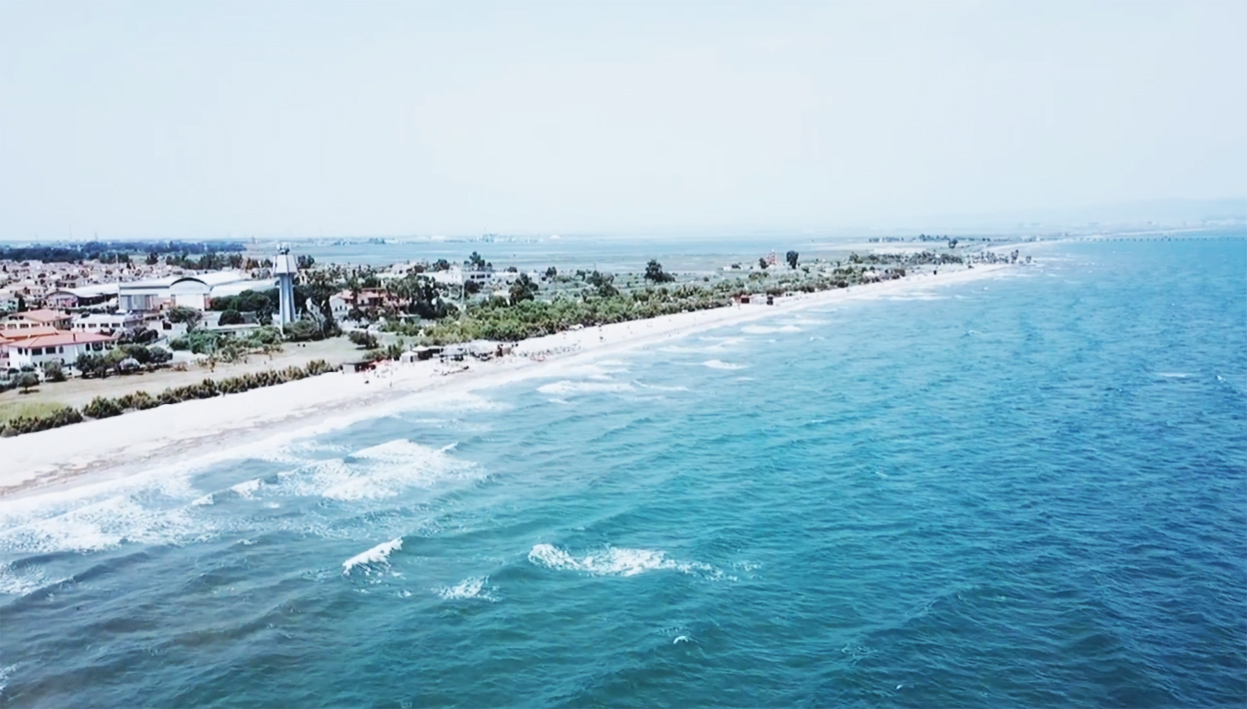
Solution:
(290, 119)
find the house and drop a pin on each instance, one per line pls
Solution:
(108, 323)
(10, 300)
(36, 318)
(63, 347)
(340, 304)
(61, 299)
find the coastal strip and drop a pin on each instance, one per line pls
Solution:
(228, 426)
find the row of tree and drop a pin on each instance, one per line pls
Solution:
(105, 407)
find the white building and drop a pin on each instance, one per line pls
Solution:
(63, 347)
(108, 323)
(195, 291)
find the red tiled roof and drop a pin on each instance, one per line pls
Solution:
(43, 315)
(66, 338)
(15, 334)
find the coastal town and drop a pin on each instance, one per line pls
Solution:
(124, 330)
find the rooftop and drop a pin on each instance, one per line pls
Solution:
(42, 315)
(65, 338)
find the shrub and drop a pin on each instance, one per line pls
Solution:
(55, 419)
(363, 339)
(230, 317)
(53, 372)
(102, 407)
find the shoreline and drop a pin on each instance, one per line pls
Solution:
(206, 430)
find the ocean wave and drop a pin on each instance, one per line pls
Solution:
(103, 525)
(380, 554)
(23, 581)
(571, 387)
(468, 588)
(659, 387)
(720, 364)
(768, 329)
(616, 561)
(244, 489)
(378, 472)
(1173, 375)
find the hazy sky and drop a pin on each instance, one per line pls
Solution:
(198, 119)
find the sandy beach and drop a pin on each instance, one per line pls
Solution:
(228, 426)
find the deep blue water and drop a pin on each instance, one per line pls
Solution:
(1027, 491)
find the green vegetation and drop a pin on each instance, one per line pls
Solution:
(117, 251)
(365, 340)
(654, 272)
(227, 347)
(41, 417)
(121, 359)
(600, 301)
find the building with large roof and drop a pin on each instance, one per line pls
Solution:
(63, 347)
(188, 291)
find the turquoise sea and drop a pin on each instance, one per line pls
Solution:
(1025, 491)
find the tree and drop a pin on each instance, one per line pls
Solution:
(27, 380)
(471, 287)
(90, 364)
(181, 314)
(230, 317)
(762, 263)
(654, 272)
(365, 340)
(442, 264)
(792, 259)
(952, 243)
(158, 355)
(476, 262)
(604, 283)
(301, 330)
(305, 262)
(53, 372)
(523, 289)
(551, 272)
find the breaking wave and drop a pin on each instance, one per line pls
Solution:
(468, 588)
(571, 387)
(720, 364)
(378, 555)
(615, 561)
(768, 329)
(375, 473)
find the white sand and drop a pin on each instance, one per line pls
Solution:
(226, 426)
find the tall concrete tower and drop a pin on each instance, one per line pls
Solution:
(285, 266)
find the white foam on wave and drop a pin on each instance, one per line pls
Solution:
(720, 364)
(659, 387)
(768, 329)
(378, 472)
(615, 561)
(20, 582)
(565, 387)
(916, 295)
(246, 488)
(1173, 375)
(103, 525)
(380, 554)
(467, 589)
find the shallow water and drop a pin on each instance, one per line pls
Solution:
(1024, 491)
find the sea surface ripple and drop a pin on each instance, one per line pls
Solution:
(1025, 491)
